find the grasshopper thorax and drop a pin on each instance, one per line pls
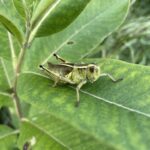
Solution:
(93, 72)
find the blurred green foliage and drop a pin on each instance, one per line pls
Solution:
(110, 116)
(131, 42)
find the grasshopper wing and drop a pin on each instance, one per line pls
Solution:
(55, 72)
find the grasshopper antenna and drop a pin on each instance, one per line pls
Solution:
(41, 66)
(59, 58)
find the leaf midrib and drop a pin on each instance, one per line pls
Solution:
(5, 94)
(9, 134)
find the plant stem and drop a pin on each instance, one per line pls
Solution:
(18, 70)
(17, 104)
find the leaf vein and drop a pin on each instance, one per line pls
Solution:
(5, 71)
(116, 104)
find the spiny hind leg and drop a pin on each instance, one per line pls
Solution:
(59, 58)
(77, 92)
(111, 77)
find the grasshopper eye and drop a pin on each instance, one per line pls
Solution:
(91, 69)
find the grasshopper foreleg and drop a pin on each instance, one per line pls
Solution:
(77, 91)
(111, 77)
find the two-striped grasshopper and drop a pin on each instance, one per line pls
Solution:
(75, 74)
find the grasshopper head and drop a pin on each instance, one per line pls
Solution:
(93, 72)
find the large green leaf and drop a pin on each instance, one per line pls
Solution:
(37, 138)
(98, 19)
(68, 134)
(8, 138)
(52, 16)
(9, 20)
(117, 114)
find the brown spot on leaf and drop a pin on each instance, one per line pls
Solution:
(70, 42)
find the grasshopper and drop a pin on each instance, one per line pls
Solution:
(74, 74)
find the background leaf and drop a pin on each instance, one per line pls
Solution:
(40, 139)
(6, 66)
(20, 7)
(7, 138)
(9, 20)
(114, 113)
(97, 20)
(54, 15)
(30, 5)
(7, 60)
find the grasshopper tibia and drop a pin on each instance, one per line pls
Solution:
(111, 77)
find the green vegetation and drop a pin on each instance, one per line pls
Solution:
(111, 116)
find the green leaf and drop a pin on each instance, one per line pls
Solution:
(8, 138)
(66, 133)
(4, 130)
(9, 21)
(52, 16)
(5, 99)
(5, 82)
(20, 7)
(5, 52)
(41, 8)
(9, 50)
(6, 70)
(117, 114)
(97, 20)
(29, 5)
(37, 138)
(11, 27)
